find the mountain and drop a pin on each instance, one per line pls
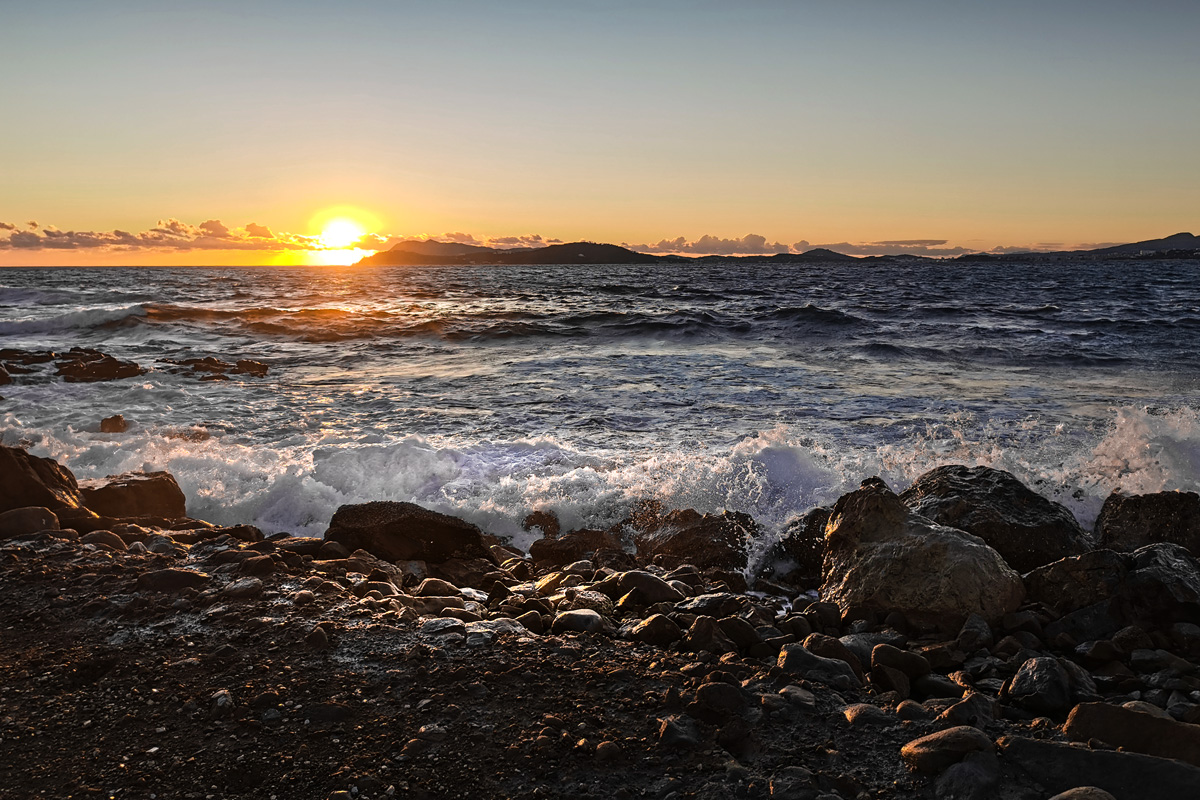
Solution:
(416, 253)
(1178, 241)
(430, 247)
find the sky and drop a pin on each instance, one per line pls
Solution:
(234, 133)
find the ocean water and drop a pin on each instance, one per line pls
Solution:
(491, 391)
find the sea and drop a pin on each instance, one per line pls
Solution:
(491, 391)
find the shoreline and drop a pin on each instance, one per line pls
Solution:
(411, 650)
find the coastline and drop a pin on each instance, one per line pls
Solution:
(209, 657)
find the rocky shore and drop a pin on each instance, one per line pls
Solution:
(962, 639)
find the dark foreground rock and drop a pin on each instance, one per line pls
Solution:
(1126, 776)
(1025, 528)
(135, 494)
(406, 532)
(27, 480)
(1128, 522)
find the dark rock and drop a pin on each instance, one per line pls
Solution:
(24, 521)
(976, 710)
(938, 751)
(1128, 522)
(1041, 686)
(105, 539)
(708, 541)
(580, 620)
(705, 634)
(975, 634)
(828, 647)
(1134, 731)
(651, 589)
(544, 521)
(84, 365)
(1025, 528)
(571, 547)
(716, 702)
(477, 573)
(795, 659)
(715, 604)
(171, 580)
(803, 541)
(406, 532)
(860, 714)
(1078, 581)
(135, 494)
(913, 665)
(114, 424)
(1127, 776)
(1083, 793)
(678, 732)
(882, 557)
(656, 630)
(739, 631)
(1163, 586)
(29, 481)
(974, 778)
(245, 366)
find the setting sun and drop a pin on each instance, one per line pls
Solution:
(341, 232)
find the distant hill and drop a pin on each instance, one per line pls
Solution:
(1178, 241)
(414, 253)
(429, 247)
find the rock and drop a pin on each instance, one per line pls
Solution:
(913, 665)
(975, 709)
(974, 778)
(405, 532)
(544, 521)
(84, 365)
(5, 377)
(678, 732)
(651, 588)
(317, 638)
(245, 366)
(435, 587)
(1163, 586)
(583, 620)
(1128, 522)
(803, 541)
(24, 521)
(795, 659)
(105, 539)
(221, 704)
(706, 634)
(443, 626)
(1135, 731)
(793, 783)
(716, 604)
(243, 589)
(798, 696)
(710, 541)
(716, 702)
(829, 647)
(937, 751)
(608, 752)
(29, 481)
(171, 580)
(532, 621)
(135, 494)
(975, 634)
(881, 557)
(858, 714)
(1077, 581)
(114, 424)
(1025, 528)
(1041, 686)
(587, 599)
(740, 632)
(570, 547)
(477, 573)
(1127, 776)
(1083, 793)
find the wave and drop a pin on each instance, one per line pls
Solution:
(84, 319)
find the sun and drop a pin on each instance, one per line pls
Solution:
(341, 232)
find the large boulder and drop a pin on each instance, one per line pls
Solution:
(27, 480)
(1025, 528)
(23, 521)
(803, 543)
(1071, 583)
(1127, 522)
(710, 541)
(571, 547)
(135, 494)
(406, 532)
(882, 557)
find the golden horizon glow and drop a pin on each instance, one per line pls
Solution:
(340, 233)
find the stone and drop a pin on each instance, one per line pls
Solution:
(24, 521)
(793, 783)
(803, 542)
(710, 541)
(587, 599)
(583, 620)
(798, 696)
(1026, 529)
(829, 647)
(1129, 522)
(317, 638)
(706, 634)
(29, 481)
(913, 665)
(975, 634)
(114, 424)
(243, 589)
(679, 732)
(104, 539)
(435, 587)
(171, 580)
(1041, 685)
(608, 752)
(882, 557)
(443, 626)
(740, 632)
(716, 702)
(859, 714)
(1126, 776)
(657, 630)
(1135, 731)
(532, 621)
(975, 709)
(651, 589)
(936, 752)
(85, 365)
(1078, 581)
(1083, 793)
(715, 604)
(795, 659)
(406, 532)
(478, 573)
(1163, 586)
(135, 494)
(570, 547)
(974, 778)
(544, 521)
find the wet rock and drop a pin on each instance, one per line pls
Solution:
(1026, 529)
(570, 547)
(84, 365)
(1083, 793)
(716, 702)
(1128, 522)
(913, 665)
(583, 620)
(104, 539)
(829, 647)
(803, 542)
(243, 589)
(740, 632)
(114, 424)
(705, 634)
(975, 634)
(135, 494)
(544, 521)
(938, 751)
(795, 659)
(405, 531)
(443, 626)
(435, 587)
(651, 589)
(1163, 585)
(24, 521)
(975, 709)
(29, 481)
(477, 573)
(709, 541)
(171, 580)
(1061, 767)
(678, 732)
(1078, 581)
(1041, 686)
(1134, 731)
(881, 557)
(974, 778)
(716, 604)
(860, 714)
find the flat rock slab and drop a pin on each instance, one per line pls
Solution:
(1136, 731)
(1126, 776)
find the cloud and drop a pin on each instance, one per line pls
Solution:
(168, 234)
(912, 242)
(33, 226)
(7, 226)
(213, 227)
(750, 244)
(259, 231)
(532, 240)
(457, 238)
